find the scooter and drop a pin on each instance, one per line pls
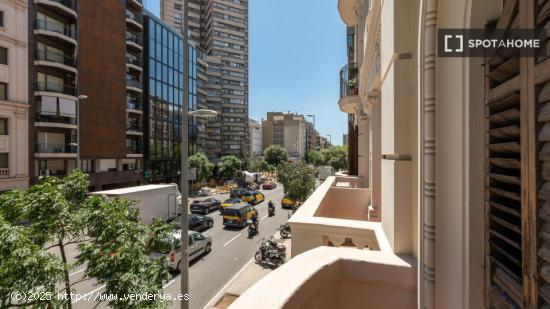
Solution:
(270, 210)
(284, 229)
(252, 229)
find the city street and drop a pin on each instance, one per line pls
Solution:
(231, 249)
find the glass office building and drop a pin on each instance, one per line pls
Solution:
(163, 93)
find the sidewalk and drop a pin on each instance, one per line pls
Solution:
(243, 279)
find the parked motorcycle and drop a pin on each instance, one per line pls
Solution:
(271, 253)
(284, 229)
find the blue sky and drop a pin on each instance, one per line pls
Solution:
(297, 48)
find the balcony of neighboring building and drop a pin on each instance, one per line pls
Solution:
(55, 150)
(134, 149)
(55, 86)
(134, 20)
(348, 11)
(134, 40)
(135, 4)
(55, 30)
(349, 88)
(133, 83)
(133, 105)
(63, 7)
(54, 58)
(52, 112)
(134, 127)
(134, 62)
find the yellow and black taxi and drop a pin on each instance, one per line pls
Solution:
(237, 215)
(253, 197)
(287, 202)
(230, 202)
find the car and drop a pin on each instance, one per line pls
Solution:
(237, 215)
(195, 222)
(237, 192)
(198, 245)
(287, 202)
(269, 185)
(205, 206)
(230, 202)
(253, 197)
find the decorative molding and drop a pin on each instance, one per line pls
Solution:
(427, 127)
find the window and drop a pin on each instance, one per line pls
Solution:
(3, 91)
(3, 55)
(1, 19)
(4, 160)
(3, 126)
(177, 6)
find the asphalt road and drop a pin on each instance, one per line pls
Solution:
(231, 249)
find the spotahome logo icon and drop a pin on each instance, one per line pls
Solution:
(483, 43)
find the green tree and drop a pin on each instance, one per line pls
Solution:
(275, 155)
(203, 166)
(254, 164)
(336, 156)
(58, 213)
(298, 180)
(228, 166)
(316, 158)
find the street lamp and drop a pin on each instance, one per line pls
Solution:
(79, 98)
(307, 137)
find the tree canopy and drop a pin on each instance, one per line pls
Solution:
(316, 158)
(204, 167)
(336, 156)
(275, 155)
(112, 244)
(228, 166)
(298, 180)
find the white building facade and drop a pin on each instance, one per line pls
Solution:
(14, 158)
(255, 128)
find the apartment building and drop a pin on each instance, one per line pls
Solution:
(78, 119)
(345, 139)
(220, 28)
(288, 130)
(449, 207)
(14, 102)
(255, 127)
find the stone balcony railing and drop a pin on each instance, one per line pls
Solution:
(336, 214)
(327, 277)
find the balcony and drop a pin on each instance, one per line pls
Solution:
(336, 214)
(336, 278)
(134, 107)
(348, 11)
(134, 129)
(134, 20)
(134, 85)
(133, 62)
(55, 60)
(65, 7)
(136, 4)
(51, 120)
(55, 150)
(134, 41)
(53, 88)
(56, 31)
(4, 172)
(349, 89)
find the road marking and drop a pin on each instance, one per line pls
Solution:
(76, 272)
(232, 239)
(263, 217)
(88, 294)
(167, 284)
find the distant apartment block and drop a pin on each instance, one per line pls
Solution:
(345, 139)
(287, 130)
(255, 134)
(220, 29)
(107, 138)
(14, 114)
